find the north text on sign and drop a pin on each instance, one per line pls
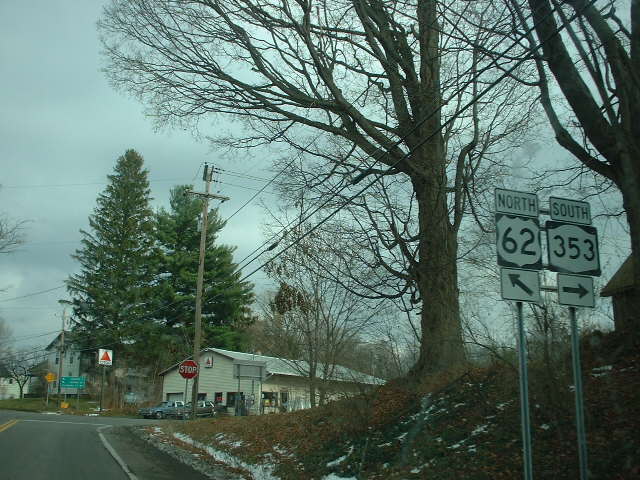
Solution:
(521, 203)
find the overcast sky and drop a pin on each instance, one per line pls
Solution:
(62, 127)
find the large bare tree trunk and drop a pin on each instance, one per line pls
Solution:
(437, 279)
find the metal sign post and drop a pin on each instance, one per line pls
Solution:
(577, 380)
(102, 387)
(525, 418)
(520, 255)
(186, 389)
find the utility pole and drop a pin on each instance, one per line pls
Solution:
(207, 177)
(61, 354)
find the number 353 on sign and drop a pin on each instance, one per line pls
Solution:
(573, 248)
(518, 242)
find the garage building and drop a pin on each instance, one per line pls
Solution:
(251, 383)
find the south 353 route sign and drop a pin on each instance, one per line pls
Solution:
(573, 248)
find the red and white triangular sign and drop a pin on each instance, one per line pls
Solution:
(105, 357)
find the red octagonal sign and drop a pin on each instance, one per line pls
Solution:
(188, 369)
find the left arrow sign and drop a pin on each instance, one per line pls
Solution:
(516, 282)
(520, 285)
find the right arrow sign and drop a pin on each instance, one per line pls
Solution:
(575, 290)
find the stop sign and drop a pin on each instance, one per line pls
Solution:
(188, 369)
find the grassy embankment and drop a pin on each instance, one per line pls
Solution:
(83, 407)
(462, 425)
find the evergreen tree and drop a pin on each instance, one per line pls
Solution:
(111, 294)
(225, 300)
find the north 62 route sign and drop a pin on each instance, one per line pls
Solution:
(518, 242)
(573, 248)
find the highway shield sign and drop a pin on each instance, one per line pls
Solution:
(573, 248)
(518, 242)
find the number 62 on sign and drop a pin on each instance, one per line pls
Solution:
(518, 242)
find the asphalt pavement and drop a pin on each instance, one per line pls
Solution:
(37, 446)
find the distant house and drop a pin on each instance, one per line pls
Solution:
(258, 383)
(8, 386)
(71, 362)
(620, 289)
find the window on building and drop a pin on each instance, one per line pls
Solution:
(218, 397)
(231, 398)
(284, 398)
(57, 359)
(71, 358)
(270, 399)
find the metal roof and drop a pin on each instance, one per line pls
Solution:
(621, 281)
(294, 368)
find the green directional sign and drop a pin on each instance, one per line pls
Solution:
(72, 382)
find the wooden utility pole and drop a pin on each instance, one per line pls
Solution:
(207, 176)
(61, 355)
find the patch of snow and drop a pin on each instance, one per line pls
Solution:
(157, 430)
(545, 426)
(458, 405)
(604, 368)
(401, 437)
(415, 470)
(54, 413)
(337, 461)
(439, 439)
(572, 388)
(388, 444)
(341, 459)
(259, 472)
(455, 446)
(471, 449)
(385, 465)
(333, 476)
(501, 406)
(280, 450)
(479, 429)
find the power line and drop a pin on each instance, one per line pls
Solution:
(33, 294)
(377, 176)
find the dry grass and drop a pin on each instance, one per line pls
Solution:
(453, 425)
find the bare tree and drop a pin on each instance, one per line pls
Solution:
(313, 320)
(372, 88)
(595, 64)
(11, 234)
(19, 364)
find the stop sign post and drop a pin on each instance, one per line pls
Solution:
(188, 369)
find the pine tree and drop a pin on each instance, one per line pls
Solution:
(225, 301)
(111, 295)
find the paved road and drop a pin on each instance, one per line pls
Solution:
(37, 446)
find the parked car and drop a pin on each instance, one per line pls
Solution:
(204, 408)
(163, 410)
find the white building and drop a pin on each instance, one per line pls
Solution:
(9, 388)
(70, 363)
(265, 384)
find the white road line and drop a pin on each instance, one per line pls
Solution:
(73, 423)
(114, 454)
